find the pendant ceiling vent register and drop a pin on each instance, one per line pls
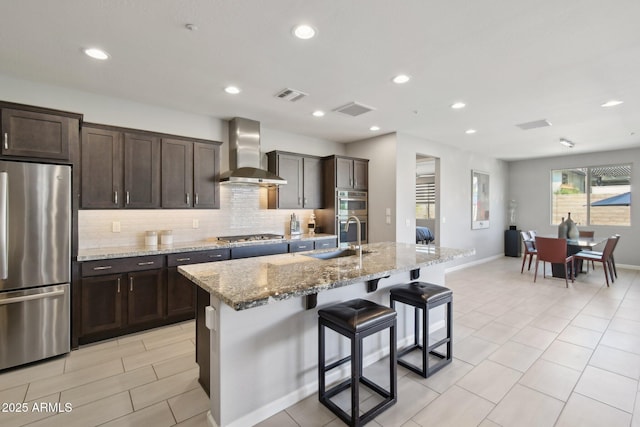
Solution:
(245, 157)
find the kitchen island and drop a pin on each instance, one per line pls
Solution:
(263, 319)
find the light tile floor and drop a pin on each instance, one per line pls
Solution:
(525, 354)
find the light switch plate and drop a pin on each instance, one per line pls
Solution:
(115, 227)
(196, 223)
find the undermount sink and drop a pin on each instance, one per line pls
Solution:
(339, 253)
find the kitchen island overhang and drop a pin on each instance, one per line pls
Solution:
(263, 339)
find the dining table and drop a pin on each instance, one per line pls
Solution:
(573, 247)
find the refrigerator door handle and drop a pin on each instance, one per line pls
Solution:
(31, 297)
(4, 222)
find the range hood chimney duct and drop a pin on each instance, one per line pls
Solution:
(245, 157)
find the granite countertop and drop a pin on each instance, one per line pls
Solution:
(251, 282)
(94, 254)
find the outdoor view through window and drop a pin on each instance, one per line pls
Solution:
(599, 195)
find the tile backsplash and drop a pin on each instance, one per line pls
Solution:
(243, 210)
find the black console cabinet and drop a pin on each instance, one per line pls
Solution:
(512, 243)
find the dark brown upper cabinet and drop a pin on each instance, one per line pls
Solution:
(206, 175)
(123, 168)
(141, 171)
(190, 174)
(177, 173)
(101, 168)
(352, 173)
(303, 189)
(35, 134)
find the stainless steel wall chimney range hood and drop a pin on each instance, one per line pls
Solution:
(245, 156)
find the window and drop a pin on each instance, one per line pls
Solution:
(425, 198)
(594, 195)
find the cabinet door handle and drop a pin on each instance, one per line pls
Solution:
(115, 197)
(188, 199)
(215, 256)
(302, 247)
(130, 284)
(146, 263)
(299, 201)
(183, 259)
(118, 285)
(103, 267)
(197, 200)
(126, 197)
(6, 140)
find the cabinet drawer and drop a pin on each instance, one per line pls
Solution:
(121, 265)
(306, 245)
(326, 243)
(259, 250)
(186, 258)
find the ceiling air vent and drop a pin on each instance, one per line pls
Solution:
(535, 124)
(291, 95)
(354, 109)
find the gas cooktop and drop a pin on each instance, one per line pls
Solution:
(250, 237)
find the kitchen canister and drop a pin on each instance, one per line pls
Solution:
(151, 238)
(166, 237)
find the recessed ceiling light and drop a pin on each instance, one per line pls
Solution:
(401, 78)
(233, 90)
(612, 103)
(96, 53)
(567, 143)
(470, 131)
(304, 31)
(374, 128)
(458, 105)
(318, 113)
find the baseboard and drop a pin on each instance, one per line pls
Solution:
(473, 263)
(628, 266)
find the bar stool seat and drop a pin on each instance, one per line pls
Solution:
(425, 296)
(356, 319)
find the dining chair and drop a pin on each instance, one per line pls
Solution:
(587, 233)
(554, 250)
(533, 234)
(613, 261)
(604, 257)
(529, 249)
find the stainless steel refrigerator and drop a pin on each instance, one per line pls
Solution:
(35, 261)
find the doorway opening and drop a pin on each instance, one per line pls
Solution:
(427, 199)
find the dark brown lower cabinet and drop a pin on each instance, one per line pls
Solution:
(146, 299)
(203, 340)
(119, 303)
(102, 300)
(181, 294)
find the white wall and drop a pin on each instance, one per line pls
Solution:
(455, 196)
(392, 171)
(529, 185)
(380, 151)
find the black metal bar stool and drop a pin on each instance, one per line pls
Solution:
(356, 319)
(425, 296)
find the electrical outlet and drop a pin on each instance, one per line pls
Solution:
(407, 222)
(115, 227)
(196, 223)
(388, 220)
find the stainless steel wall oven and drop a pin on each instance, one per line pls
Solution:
(351, 203)
(350, 237)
